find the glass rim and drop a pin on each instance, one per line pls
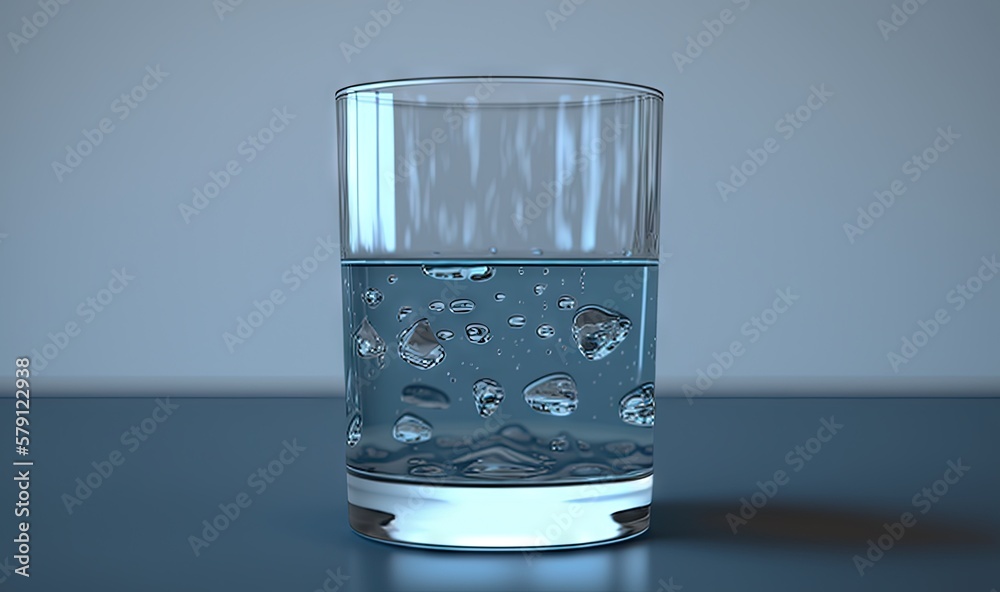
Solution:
(631, 90)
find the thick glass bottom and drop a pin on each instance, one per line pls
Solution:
(498, 517)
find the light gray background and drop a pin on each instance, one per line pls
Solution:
(59, 241)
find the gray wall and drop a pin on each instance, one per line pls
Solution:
(63, 234)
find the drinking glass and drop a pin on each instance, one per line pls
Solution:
(499, 241)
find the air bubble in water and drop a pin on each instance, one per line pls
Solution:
(392, 278)
(638, 407)
(545, 331)
(598, 331)
(554, 394)
(539, 288)
(520, 271)
(425, 396)
(493, 250)
(419, 347)
(566, 302)
(488, 395)
(445, 335)
(403, 311)
(559, 444)
(517, 321)
(462, 306)
(369, 343)
(499, 296)
(536, 251)
(354, 430)
(372, 297)
(475, 273)
(545, 271)
(478, 333)
(436, 306)
(410, 429)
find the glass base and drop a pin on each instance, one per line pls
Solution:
(498, 517)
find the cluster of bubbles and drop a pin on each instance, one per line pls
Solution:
(596, 331)
(555, 395)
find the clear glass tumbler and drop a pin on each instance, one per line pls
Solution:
(500, 245)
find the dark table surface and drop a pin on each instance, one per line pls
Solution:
(132, 531)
